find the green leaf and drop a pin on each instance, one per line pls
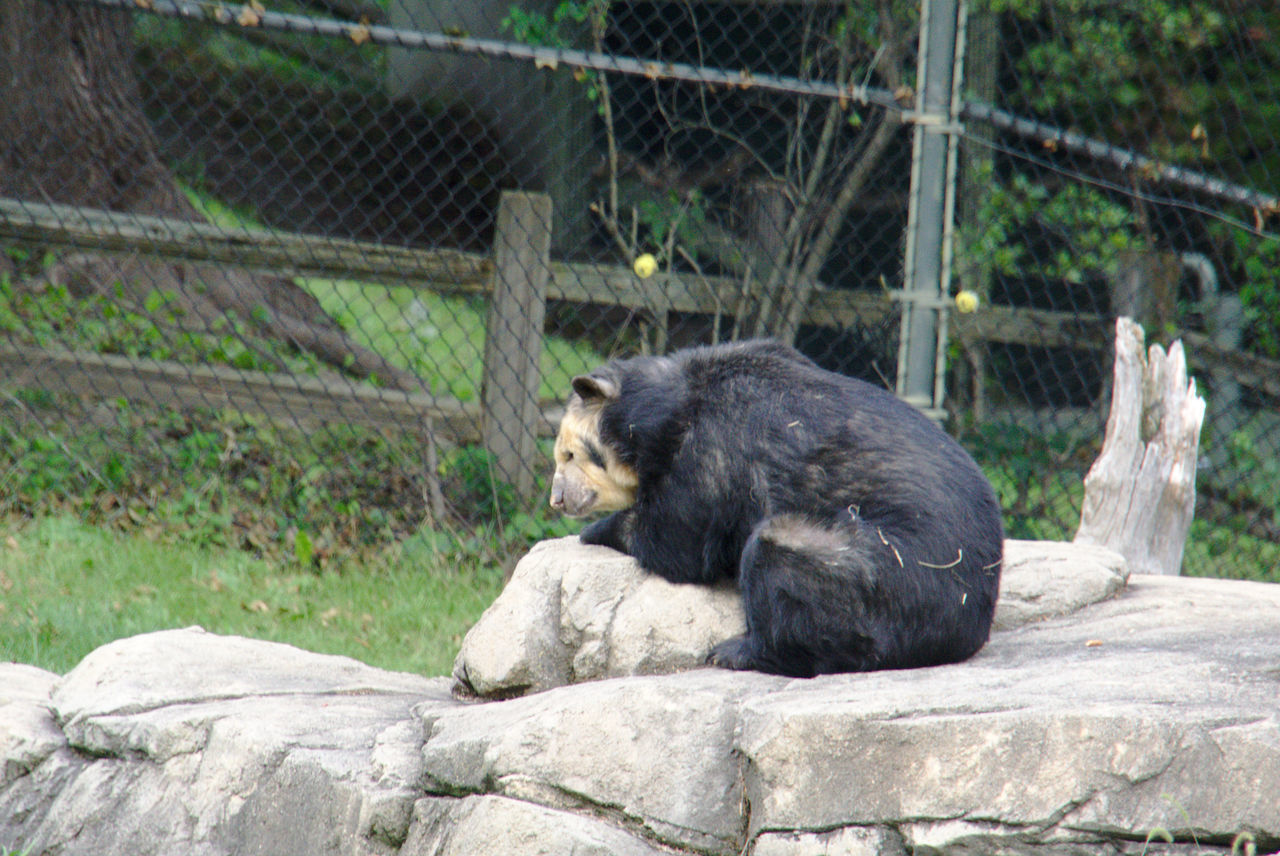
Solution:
(303, 550)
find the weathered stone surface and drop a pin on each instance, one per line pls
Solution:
(850, 841)
(1082, 726)
(574, 613)
(632, 623)
(656, 752)
(1074, 734)
(517, 648)
(497, 826)
(1042, 579)
(28, 733)
(184, 741)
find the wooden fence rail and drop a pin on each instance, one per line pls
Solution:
(454, 271)
(298, 400)
(337, 399)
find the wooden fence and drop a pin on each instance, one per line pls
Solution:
(519, 277)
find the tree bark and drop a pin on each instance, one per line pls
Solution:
(72, 132)
(1139, 495)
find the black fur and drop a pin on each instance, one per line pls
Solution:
(861, 535)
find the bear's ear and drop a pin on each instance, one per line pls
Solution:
(593, 388)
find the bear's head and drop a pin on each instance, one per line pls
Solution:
(589, 475)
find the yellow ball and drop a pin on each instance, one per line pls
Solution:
(966, 302)
(645, 265)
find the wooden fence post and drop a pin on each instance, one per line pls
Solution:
(513, 337)
(1140, 494)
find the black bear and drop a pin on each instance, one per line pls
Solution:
(861, 535)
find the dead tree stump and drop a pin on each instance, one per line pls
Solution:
(1139, 495)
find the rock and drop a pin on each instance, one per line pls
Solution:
(1042, 579)
(28, 733)
(1119, 722)
(850, 841)
(517, 647)
(657, 753)
(1070, 734)
(183, 741)
(574, 613)
(496, 826)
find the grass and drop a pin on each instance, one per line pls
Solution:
(67, 588)
(1215, 550)
(236, 479)
(439, 338)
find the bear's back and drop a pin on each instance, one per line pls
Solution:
(759, 414)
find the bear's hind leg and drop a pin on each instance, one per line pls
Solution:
(808, 594)
(746, 653)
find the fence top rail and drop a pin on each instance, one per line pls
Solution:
(285, 254)
(900, 103)
(225, 15)
(1126, 160)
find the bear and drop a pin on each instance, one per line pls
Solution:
(860, 534)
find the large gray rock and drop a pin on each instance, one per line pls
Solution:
(187, 742)
(1155, 710)
(28, 734)
(1155, 705)
(1044, 579)
(574, 613)
(478, 825)
(657, 752)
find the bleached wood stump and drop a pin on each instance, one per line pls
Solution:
(1139, 495)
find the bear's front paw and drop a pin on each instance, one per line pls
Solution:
(594, 533)
(736, 653)
(608, 532)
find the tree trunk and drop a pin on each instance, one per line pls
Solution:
(1140, 494)
(72, 131)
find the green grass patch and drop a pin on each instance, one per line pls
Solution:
(342, 495)
(230, 479)
(228, 217)
(67, 588)
(118, 324)
(440, 338)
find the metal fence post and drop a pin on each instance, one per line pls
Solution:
(922, 343)
(513, 337)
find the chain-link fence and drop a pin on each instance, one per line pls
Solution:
(328, 267)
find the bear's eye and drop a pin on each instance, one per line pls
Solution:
(568, 456)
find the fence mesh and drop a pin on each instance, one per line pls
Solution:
(250, 251)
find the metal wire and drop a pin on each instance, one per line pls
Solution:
(1146, 169)
(541, 57)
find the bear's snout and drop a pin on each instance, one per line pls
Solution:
(568, 498)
